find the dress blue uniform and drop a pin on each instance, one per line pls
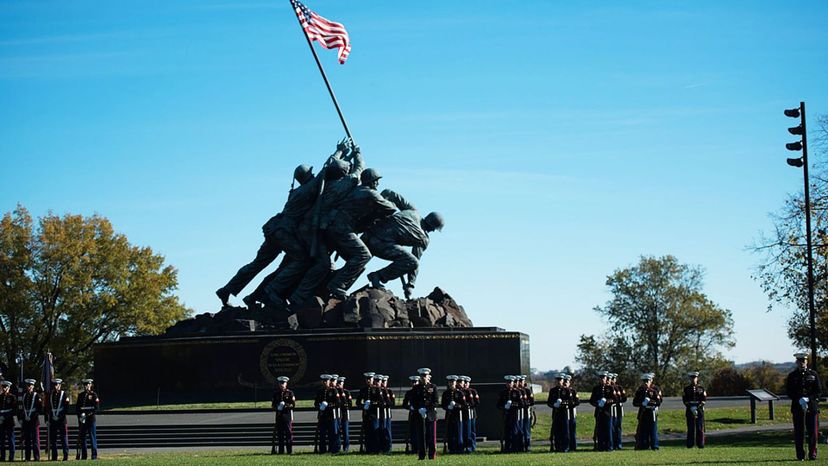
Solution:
(452, 402)
(694, 397)
(345, 414)
(30, 416)
(56, 411)
(8, 410)
(86, 407)
(327, 403)
(804, 389)
(647, 399)
(425, 400)
(284, 401)
(603, 399)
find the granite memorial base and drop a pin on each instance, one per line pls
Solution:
(243, 367)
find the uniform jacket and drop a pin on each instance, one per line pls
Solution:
(87, 403)
(694, 395)
(653, 393)
(57, 405)
(803, 383)
(288, 398)
(8, 409)
(32, 407)
(607, 392)
(331, 396)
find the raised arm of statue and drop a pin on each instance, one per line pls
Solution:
(397, 199)
(357, 163)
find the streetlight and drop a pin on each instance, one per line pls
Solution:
(802, 162)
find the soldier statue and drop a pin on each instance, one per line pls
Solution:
(344, 176)
(281, 235)
(647, 399)
(284, 402)
(804, 389)
(30, 421)
(86, 407)
(388, 239)
(8, 411)
(56, 410)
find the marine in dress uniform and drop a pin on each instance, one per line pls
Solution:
(694, 397)
(647, 399)
(603, 399)
(58, 404)
(283, 404)
(425, 400)
(327, 404)
(30, 418)
(469, 415)
(509, 400)
(573, 411)
(618, 411)
(368, 400)
(86, 407)
(451, 402)
(528, 407)
(347, 402)
(8, 410)
(411, 439)
(388, 402)
(804, 389)
(559, 401)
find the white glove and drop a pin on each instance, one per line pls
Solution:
(804, 402)
(602, 402)
(367, 405)
(281, 406)
(646, 401)
(323, 405)
(694, 410)
(508, 404)
(411, 408)
(558, 403)
(422, 412)
(451, 405)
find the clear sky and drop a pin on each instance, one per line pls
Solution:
(561, 140)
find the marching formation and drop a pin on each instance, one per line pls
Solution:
(337, 211)
(54, 407)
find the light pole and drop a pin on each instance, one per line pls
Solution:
(802, 162)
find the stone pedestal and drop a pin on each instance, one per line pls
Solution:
(243, 366)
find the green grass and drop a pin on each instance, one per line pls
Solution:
(752, 449)
(670, 421)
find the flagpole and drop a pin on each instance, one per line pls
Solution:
(322, 70)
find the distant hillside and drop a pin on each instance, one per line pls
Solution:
(780, 366)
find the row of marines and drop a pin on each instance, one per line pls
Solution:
(376, 400)
(54, 407)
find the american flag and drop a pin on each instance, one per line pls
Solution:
(328, 33)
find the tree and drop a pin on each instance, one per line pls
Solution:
(729, 381)
(659, 321)
(782, 272)
(72, 282)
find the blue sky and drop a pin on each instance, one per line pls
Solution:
(561, 140)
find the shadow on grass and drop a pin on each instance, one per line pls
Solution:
(729, 420)
(745, 439)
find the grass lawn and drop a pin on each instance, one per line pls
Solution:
(670, 421)
(748, 449)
